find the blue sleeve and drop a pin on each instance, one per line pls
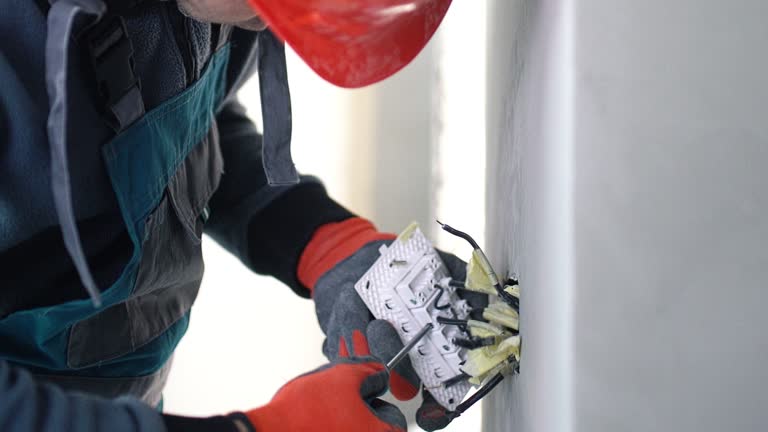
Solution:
(266, 227)
(29, 406)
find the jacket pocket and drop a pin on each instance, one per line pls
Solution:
(170, 269)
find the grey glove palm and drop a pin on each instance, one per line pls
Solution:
(349, 326)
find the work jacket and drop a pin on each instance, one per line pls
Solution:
(109, 185)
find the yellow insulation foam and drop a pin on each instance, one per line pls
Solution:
(503, 314)
(513, 289)
(482, 360)
(477, 275)
(484, 329)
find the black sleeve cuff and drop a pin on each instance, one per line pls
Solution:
(232, 423)
(278, 234)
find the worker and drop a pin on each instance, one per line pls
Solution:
(122, 141)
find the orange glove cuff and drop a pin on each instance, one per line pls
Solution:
(335, 398)
(333, 243)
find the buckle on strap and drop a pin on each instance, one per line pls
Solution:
(111, 55)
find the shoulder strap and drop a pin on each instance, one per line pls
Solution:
(111, 55)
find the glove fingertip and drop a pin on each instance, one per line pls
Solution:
(401, 388)
(390, 414)
(375, 383)
(432, 416)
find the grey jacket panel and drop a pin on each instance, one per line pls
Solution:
(28, 405)
(170, 269)
(147, 388)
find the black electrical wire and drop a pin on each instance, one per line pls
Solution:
(507, 297)
(437, 299)
(477, 309)
(474, 343)
(461, 234)
(513, 301)
(451, 321)
(477, 396)
(455, 380)
(460, 323)
(490, 385)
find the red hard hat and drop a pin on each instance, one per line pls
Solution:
(353, 43)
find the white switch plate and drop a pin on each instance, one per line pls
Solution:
(401, 289)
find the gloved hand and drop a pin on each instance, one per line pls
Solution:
(336, 257)
(339, 397)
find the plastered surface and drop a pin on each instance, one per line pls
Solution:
(628, 145)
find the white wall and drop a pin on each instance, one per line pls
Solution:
(529, 206)
(629, 184)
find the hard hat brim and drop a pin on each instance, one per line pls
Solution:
(354, 43)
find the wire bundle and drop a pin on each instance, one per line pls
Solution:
(494, 343)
